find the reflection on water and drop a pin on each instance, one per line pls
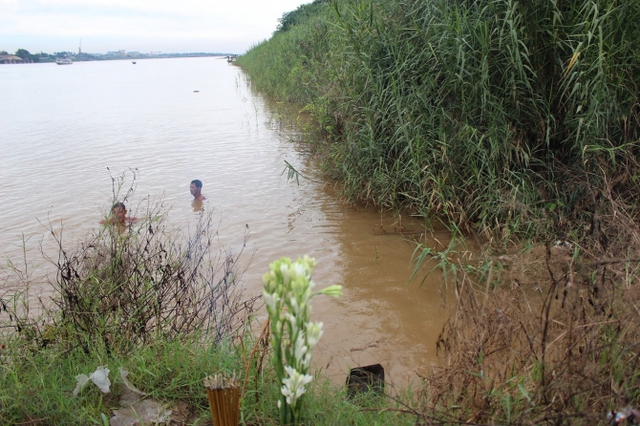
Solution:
(197, 205)
(68, 133)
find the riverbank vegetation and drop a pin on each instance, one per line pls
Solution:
(513, 123)
(512, 117)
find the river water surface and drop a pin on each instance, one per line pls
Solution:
(65, 131)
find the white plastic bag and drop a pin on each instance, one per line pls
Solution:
(100, 377)
(123, 376)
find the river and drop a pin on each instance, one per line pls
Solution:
(66, 131)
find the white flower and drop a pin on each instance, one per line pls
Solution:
(292, 320)
(294, 305)
(270, 299)
(300, 348)
(299, 270)
(299, 287)
(286, 274)
(314, 333)
(309, 262)
(294, 385)
(269, 279)
(288, 393)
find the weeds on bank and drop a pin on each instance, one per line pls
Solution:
(544, 336)
(148, 284)
(565, 353)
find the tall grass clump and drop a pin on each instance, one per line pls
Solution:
(285, 66)
(504, 117)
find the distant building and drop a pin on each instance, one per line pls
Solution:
(12, 59)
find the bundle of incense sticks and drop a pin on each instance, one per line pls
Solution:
(224, 399)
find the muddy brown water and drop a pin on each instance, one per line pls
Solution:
(66, 131)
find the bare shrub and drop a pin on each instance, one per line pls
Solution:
(149, 282)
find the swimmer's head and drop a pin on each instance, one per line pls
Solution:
(119, 211)
(195, 187)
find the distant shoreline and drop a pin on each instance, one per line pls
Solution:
(109, 56)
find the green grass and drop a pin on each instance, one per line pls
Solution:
(38, 385)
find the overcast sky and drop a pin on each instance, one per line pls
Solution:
(173, 26)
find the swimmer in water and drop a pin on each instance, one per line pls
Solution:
(195, 188)
(119, 217)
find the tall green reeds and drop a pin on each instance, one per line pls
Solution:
(487, 113)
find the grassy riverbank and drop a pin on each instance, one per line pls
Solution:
(515, 123)
(506, 118)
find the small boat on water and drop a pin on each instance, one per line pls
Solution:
(64, 61)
